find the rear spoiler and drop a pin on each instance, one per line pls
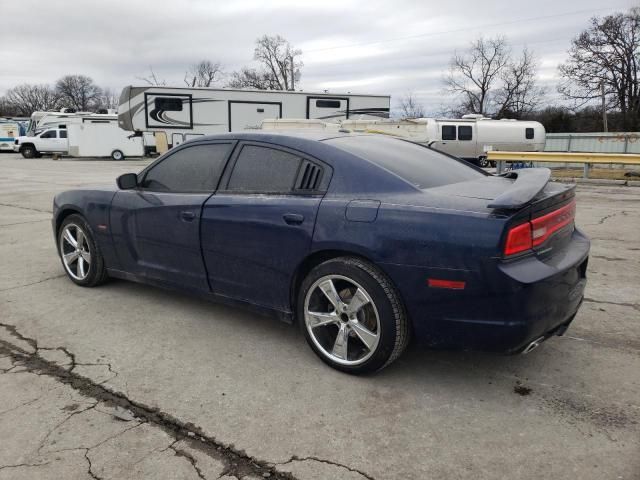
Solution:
(529, 183)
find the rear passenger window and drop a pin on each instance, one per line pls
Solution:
(63, 134)
(464, 132)
(529, 134)
(264, 170)
(448, 132)
(194, 169)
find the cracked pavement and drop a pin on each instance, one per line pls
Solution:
(129, 381)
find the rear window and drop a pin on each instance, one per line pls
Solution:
(417, 164)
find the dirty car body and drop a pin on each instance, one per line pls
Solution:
(478, 261)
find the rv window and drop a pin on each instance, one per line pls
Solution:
(529, 133)
(191, 169)
(62, 125)
(328, 103)
(448, 132)
(260, 110)
(264, 170)
(168, 104)
(464, 132)
(49, 134)
(63, 134)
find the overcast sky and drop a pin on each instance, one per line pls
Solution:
(372, 46)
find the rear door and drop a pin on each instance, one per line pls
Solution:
(156, 227)
(249, 115)
(328, 108)
(258, 227)
(457, 140)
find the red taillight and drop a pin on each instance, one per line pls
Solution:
(545, 226)
(531, 234)
(518, 239)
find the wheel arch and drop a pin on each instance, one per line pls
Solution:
(64, 213)
(320, 256)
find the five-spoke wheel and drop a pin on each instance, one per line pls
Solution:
(79, 253)
(352, 316)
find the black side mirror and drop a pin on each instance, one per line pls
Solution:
(127, 181)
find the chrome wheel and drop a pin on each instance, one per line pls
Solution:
(342, 320)
(74, 249)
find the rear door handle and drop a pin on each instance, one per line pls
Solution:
(187, 216)
(293, 218)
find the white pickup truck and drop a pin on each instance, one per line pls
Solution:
(50, 140)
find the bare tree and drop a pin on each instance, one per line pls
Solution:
(152, 79)
(203, 74)
(252, 78)
(280, 66)
(78, 91)
(606, 57)
(490, 82)
(109, 99)
(410, 107)
(519, 94)
(25, 99)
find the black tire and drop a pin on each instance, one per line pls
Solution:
(28, 151)
(393, 329)
(483, 162)
(97, 272)
(117, 155)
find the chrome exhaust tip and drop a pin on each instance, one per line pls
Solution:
(533, 345)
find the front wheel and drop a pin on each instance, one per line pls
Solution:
(352, 316)
(29, 151)
(79, 252)
(117, 155)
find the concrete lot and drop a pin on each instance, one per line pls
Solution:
(129, 381)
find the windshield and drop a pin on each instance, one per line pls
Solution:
(415, 163)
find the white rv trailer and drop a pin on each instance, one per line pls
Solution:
(469, 137)
(42, 120)
(180, 113)
(9, 131)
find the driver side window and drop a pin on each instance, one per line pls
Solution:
(194, 169)
(49, 134)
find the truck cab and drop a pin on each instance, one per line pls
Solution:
(48, 140)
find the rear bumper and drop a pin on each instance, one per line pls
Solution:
(503, 307)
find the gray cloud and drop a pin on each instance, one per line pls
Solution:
(371, 46)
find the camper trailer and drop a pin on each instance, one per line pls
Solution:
(178, 114)
(43, 120)
(9, 131)
(469, 137)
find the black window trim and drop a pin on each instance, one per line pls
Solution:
(327, 172)
(464, 139)
(143, 174)
(526, 133)
(455, 129)
(309, 98)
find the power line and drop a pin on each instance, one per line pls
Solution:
(459, 30)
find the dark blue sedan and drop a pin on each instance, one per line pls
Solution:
(364, 240)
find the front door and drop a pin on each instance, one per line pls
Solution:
(156, 227)
(258, 228)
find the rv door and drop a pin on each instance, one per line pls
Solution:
(329, 109)
(245, 115)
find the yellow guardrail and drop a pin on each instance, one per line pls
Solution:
(588, 159)
(565, 157)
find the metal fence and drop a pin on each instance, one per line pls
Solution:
(598, 142)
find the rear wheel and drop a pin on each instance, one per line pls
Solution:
(80, 254)
(483, 162)
(117, 155)
(28, 151)
(352, 316)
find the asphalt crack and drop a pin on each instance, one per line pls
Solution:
(25, 208)
(190, 458)
(635, 306)
(15, 287)
(328, 462)
(236, 461)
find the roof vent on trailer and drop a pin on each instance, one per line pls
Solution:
(311, 175)
(477, 116)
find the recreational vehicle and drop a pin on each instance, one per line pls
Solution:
(63, 118)
(177, 114)
(469, 137)
(9, 131)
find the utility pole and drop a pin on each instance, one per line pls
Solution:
(604, 107)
